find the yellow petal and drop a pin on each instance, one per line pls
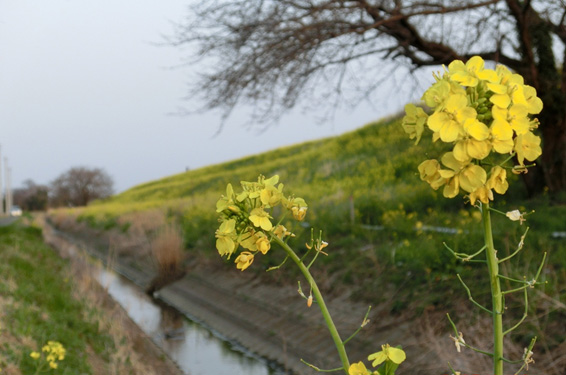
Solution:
(501, 130)
(478, 149)
(437, 120)
(452, 188)
(396, 355)
(497, 88)
(460, 152)
(504, 146)
(472, 177)
(377, 358)
(475, 64)
(488, 75)
(478, 130)
(500, 100)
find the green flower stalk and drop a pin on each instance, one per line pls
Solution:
(496, 296)
(486, 115)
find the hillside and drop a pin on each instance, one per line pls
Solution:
(385, 227)
(364, 192)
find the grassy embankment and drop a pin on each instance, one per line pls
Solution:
(364, 191)
(39, 303)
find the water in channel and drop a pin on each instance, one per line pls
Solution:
(195, 349)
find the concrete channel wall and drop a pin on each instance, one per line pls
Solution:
(271, 321)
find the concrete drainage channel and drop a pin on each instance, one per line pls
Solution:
(195, 347)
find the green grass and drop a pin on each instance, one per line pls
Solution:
(38, 306)
(386, 255)
(372, 174)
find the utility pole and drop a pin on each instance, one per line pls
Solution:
(1, 191)
(8, 177)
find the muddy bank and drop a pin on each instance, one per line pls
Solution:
(275, 322)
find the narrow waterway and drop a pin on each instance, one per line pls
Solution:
(196, 349)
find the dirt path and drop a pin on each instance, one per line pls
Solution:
(7, 220)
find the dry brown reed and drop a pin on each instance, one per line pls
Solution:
(167, 250)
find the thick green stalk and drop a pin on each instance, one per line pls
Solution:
(496, 296)
(318, 296)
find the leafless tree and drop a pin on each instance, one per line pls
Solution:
(79, 186)
(31, 197)
(275, 54)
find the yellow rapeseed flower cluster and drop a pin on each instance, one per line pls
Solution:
(482, 113)
(245, 218)
(55, 352)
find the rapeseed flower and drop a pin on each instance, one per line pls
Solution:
(245, 218)
(387, 352)
(358, 369)
(244, 260)
(260, 218)
(225, 238)
(414, 122)
(498, 180)
(527, 146)
(471, 73)
(299, 212)
(430, 172)
(482, 113)
(262, 243)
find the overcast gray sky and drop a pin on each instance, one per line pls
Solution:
(82, 83)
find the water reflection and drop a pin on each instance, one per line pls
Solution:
(195, 349)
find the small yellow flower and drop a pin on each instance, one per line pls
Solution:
(482, 194)
(429, 172)
(414, 122)
(498, 180)
(271, 196)
(299, 212)
(358, 369)
(280, 231)
(260, 218)
(244, 260)
(225, 238)
(262, 243)
(387, 352)
(527, 146)
(437, 94)
(471, 73)
(501, 136)
(53, 365)
(463, 175)
(249, 240)
(227, 200)
(35, 355)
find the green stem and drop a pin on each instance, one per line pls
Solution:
(325, 313)
(496, 295)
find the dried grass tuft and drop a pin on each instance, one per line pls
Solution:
(167, 250)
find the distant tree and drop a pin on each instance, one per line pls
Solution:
(79, 186)
(275, 54)
(31, 197)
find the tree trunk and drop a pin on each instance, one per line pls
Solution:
(545, 76)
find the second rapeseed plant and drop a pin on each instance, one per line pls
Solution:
(487, 116)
